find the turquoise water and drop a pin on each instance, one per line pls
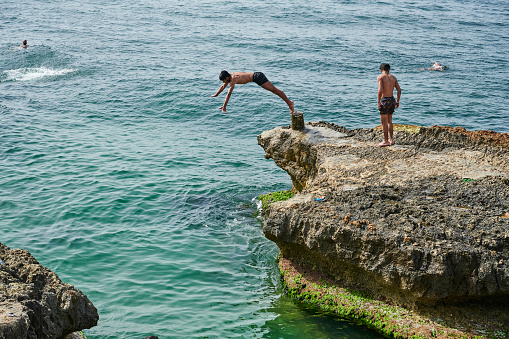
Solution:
(119, 173)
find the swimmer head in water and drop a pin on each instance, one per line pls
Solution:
(437, 67)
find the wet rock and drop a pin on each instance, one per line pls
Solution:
(35, 303)
(422, 222)
(76, 335)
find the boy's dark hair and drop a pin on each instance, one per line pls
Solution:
(223, 75)
(385, 67)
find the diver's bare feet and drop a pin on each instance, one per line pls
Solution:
(391, 142)
(292, 107)
(383, 144)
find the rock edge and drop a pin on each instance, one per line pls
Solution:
(35, 303)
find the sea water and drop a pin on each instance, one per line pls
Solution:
(119, 172)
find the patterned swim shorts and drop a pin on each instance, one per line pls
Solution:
(387, 105)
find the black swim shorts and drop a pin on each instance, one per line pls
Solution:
(387, 105)
(259, 78)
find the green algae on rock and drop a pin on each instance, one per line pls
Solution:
(269, 198)
(314, 287)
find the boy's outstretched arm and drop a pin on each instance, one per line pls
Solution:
(223, 108)
(223, 86)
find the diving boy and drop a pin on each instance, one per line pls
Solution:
(243, 78)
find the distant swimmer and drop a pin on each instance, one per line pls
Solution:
(243, 78)
(386, 102)
(24, 44)
(437, 67)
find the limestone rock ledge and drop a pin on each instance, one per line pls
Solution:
(424, 222)
(35, 303)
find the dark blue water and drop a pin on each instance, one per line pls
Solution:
(119, 173)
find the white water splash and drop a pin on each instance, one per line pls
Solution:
(28, 74)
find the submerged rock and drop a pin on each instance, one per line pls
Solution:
(35, 303)
(421, 223)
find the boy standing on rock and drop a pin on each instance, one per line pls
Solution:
(386, 102)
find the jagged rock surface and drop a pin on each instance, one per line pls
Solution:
(35, 303)
(423, 222)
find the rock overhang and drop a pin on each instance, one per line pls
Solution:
(420, 222)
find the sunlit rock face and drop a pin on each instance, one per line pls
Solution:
(423, 221)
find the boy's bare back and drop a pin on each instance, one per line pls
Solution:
(241, 77)
(387, 82)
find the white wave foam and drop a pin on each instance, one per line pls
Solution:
(27, 74)
(259, 206)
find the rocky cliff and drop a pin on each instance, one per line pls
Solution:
(420, 223)
(35, 303)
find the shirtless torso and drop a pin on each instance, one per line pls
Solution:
(386, 84)
(241, 78)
